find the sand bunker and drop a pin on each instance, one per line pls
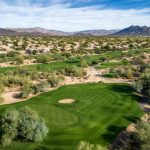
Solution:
(67, 101)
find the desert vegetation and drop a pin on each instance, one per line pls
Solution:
(105, 77)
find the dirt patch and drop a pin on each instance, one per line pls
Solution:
(66, 101)
(10, 97)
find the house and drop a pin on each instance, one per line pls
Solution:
(28, 50)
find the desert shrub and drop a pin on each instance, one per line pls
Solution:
(41, 87)
(143, 135)
(137, 85)
(12, 54)
(25, 72)
(142, 85)
(24, 125)
(103, 58)
(21, 71)
(83, 64)
(58, 57)
(113, 73)
(109, 75)
(129, 74)
(43, 58)
(34, 52)
(137, 61)
(1, 91)
(26, 91)
(53, 80)
(61, 77)
(9, 80)
(66, 54)
(34, 75)
(75, 71)
(1, 87)
(94, 62)
(146, 85)
(83, 145)
(19, 60)
(121, 73)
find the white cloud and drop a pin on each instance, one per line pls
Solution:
(61, 17)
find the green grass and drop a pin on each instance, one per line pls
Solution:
(100, 112)
(112, 64)
(41, 67)
(110, 55)
(53, 65)
(75, 61)
(62, 64)
(109, 75)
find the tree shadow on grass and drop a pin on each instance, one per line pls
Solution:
(41, 148)
(132, 119)
(125, 90)
(112, 132)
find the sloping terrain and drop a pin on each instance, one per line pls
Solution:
(7, 32)
(134, 31)
(42, 31)
(96, 117)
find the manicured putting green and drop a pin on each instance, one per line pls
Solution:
(99, 113)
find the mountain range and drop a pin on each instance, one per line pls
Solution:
(134, 31)
(37, 31)
(42, 31)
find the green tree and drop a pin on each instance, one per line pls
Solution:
(31, 127)
(24, 124)
(8, 126)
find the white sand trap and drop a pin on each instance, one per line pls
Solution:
(67, 101)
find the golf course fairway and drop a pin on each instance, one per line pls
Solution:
(100, 111)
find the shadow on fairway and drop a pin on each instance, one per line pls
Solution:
(41, 148)
(132, 119)
(112, 132)
(125, 88)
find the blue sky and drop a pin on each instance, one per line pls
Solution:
(74, 15)
(118, 4)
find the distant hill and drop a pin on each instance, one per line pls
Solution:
(100, 32)
(130, 31)
(134, 31)
(7, 32)
(82, 34)
(39, 30)
(42, 31)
